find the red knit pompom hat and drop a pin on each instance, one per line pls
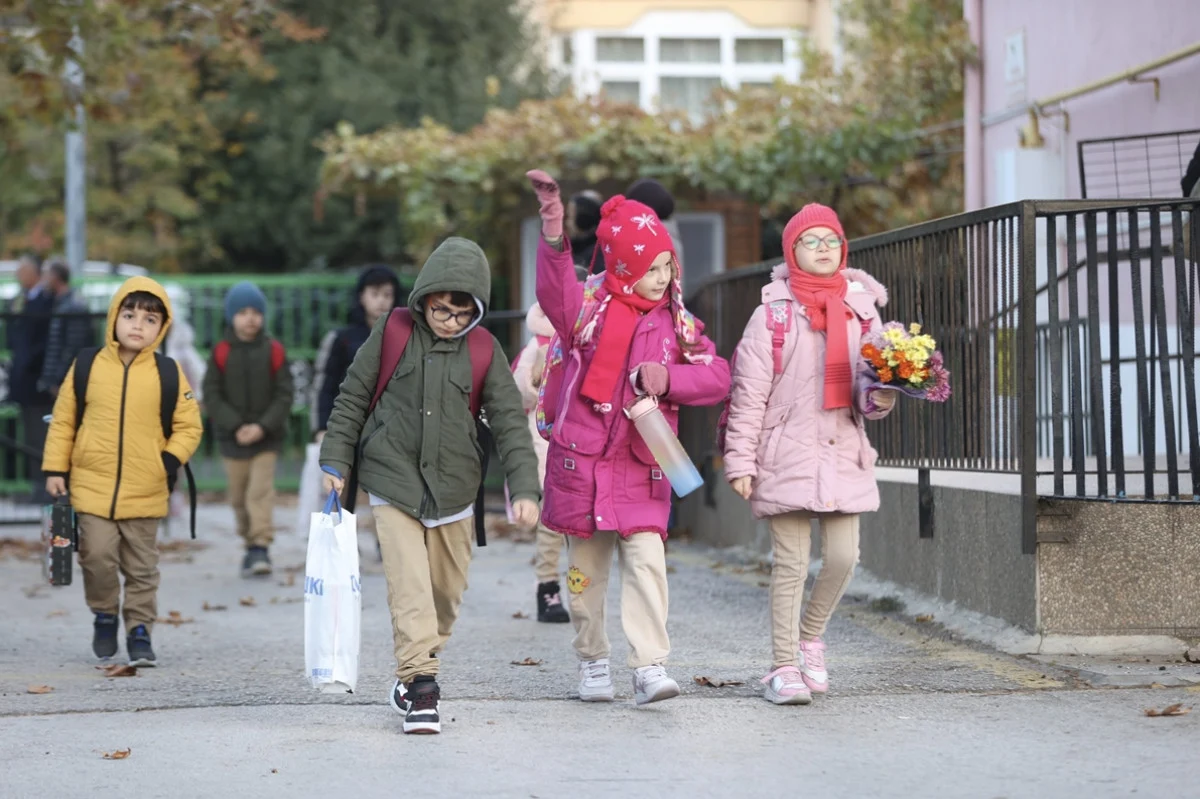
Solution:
(631, 237)
(811, 216)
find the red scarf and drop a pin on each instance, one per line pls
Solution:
(824, 297)
(616, 337)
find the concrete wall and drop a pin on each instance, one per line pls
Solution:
(1119, 568)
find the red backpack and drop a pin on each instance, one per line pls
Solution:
(278, 355)
(396, 334)
(779, 322)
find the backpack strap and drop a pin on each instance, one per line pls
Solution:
(221, 355)
(779, 322)
(278, 356)
(83, 370)
(481, 348)
(168, 380)
(396, 334)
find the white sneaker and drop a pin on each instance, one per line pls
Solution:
(651, 684)
(595, 681)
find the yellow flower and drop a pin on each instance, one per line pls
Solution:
(914, 328)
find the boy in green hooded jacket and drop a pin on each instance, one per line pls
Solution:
(420, 461)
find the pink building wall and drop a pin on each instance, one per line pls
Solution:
(1068, 44)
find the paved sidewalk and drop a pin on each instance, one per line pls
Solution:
(229, 713)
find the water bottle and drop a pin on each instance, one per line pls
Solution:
(654, 429)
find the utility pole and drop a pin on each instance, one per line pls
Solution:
(76, 164)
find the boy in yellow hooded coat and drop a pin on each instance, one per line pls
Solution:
(120, 467)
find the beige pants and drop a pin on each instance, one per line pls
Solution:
(549, 545)
(426, 572)
(643, 565)
(109, 549)
(791, 540)
(252, 495)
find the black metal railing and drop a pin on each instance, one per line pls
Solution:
(1069, 331)
(1139, 167)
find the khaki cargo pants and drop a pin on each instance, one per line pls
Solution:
(426, 572)
(128, 547)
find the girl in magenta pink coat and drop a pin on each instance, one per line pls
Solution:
(796, 444)
(604, 489)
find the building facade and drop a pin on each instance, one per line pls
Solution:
(672, 54)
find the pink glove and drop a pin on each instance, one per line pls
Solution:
(654, 379)
(551, 203)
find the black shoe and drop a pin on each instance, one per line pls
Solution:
(423, 696)
(137, 644)
(549, 604)
(104, 635)
(257, 562)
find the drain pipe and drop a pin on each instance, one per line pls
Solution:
(973, 164)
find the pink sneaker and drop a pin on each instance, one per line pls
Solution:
(785, 686)
(812, 665)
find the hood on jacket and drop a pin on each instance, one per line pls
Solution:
(537, 322)
(869, 284)
(129, 287)
(375, 275)
(457, 264)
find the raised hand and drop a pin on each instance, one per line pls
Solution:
(550, 202)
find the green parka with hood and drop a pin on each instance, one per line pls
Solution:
(418, 448)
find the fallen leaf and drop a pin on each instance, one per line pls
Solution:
(119, 670)
(247, 602)
(289, 582)
(711, 683)
(120, 754)
(520, 614)
(55, 613)
(720, 564)
(274, 600)
(175, 618)
(214, 607)
(924, 618)
(527, 662)
(671, 570)
(38, 689)
(763, 584)
(1171, 710)
(274, 771)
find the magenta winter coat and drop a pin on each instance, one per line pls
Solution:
(599, 473)
(801, 456)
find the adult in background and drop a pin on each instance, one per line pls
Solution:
(582, 219)
(70, 327)
(28, 332)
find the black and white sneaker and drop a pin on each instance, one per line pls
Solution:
(423, 695)
(137, 644)
(399, 698)
(550, 608)
(257, 562)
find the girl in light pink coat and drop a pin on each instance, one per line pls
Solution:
(796, 444)
(604, 489)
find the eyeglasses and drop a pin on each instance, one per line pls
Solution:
(833, 242)
(463, 318)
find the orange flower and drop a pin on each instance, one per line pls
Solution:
(870, 352)
(906, 370)
(885, 374)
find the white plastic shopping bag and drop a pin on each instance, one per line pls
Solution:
(332, 600)
(310, 486)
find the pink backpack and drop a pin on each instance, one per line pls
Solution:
(779, 322)
(550, 391)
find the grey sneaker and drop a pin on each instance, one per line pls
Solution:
(137, 644)
(257, 562)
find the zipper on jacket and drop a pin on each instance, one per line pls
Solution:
(112, 513)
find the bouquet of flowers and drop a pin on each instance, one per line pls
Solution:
(908, 361)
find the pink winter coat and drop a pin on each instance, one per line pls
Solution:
(801, 456)
(599, 473)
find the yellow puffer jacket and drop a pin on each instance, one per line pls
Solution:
(115, 458)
